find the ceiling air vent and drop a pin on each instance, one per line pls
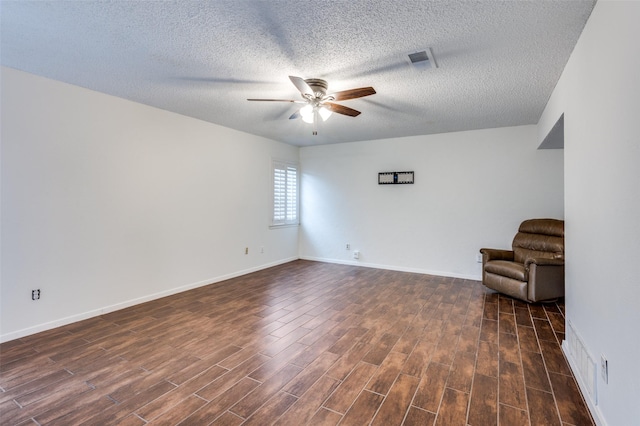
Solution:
(423, 59)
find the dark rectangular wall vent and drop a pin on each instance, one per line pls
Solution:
(395, 178)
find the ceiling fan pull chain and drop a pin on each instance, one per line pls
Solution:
(315, 122)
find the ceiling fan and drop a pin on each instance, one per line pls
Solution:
(318, 103)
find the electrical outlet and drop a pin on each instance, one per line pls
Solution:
(348, 246)
(604, 368)
(35, 294)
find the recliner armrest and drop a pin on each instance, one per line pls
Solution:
(496, 254)
(541, 261)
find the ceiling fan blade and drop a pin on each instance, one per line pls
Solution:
(341, 109)
(295, 115)
(301, 85)
(353, 93)
(276, 100)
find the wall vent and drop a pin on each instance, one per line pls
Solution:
(583, 363)
(394, 178)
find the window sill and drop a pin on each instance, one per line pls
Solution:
(288, 225)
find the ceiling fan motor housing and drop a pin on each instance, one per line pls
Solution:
(318, 86)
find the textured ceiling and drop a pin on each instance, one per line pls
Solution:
(498, 61)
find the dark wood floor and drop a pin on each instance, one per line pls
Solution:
(302, 343)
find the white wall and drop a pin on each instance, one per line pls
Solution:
(472, 190)
(106, 203)
(599, 92)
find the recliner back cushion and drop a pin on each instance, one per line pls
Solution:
(539, 238)
(553, 227)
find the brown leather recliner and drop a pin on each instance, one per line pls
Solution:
(534, 270)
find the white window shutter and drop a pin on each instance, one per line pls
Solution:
(285, 194)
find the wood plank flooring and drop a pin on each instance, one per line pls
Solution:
(302, 343)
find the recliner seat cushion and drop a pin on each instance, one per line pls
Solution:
(505, 268)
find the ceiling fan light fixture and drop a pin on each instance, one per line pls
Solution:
(325, 113)
(306, 112)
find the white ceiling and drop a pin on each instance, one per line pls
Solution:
(498, 61)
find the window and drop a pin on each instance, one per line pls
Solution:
(285, 194)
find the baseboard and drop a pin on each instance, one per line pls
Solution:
(394, 268)
(132, 302)
(107, 309)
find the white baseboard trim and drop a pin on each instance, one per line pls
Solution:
(128, 303)
(591, 404)
(394, 268)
